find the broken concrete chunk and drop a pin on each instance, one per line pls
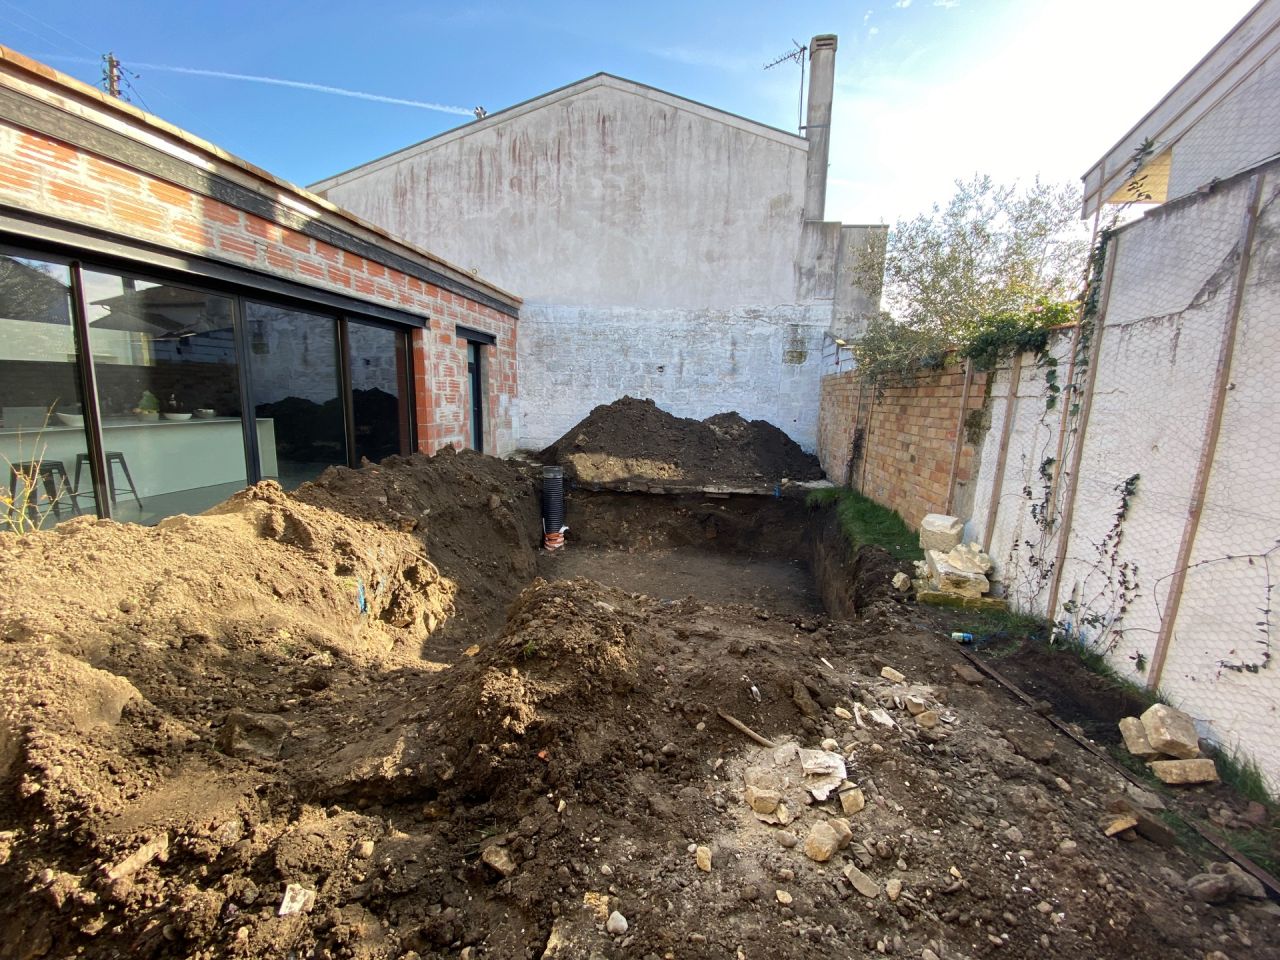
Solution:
(901, 582)
(938, 531)
(915, 706)
(1135, 739)
(1184, 771)
(892, 675)
(928, 719)
(861, 882)
(252, 735)
(822, 842)
(1245, 884)
(967, 673)
(1171, 732)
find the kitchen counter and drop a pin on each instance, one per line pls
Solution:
(164, 456)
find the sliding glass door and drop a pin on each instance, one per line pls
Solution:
(168, 379)
(42, 423)
(378, 364)
(297, 392)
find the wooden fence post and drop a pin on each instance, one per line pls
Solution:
(1213, 429)
(955, 455)
(1086, 407)
(1006, 431)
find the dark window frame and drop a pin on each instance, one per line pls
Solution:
(237, 291)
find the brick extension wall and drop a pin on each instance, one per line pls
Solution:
(908, 438)
(60, 180)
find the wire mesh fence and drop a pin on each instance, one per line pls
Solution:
(1139, 505)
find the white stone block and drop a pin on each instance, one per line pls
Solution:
(940, 532)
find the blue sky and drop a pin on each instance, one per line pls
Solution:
(926, 90)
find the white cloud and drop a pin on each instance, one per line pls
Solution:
(902, 4)
(872, 31)
(946, 4)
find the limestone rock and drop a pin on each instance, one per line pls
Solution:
(915, 706)
(893, 888)
(844, 832)
(252, 735)
(967, 673)
(852, 801)
(1184, 771)
(948, 578)
(822, 842)
(616, 924)
(1135, 739)
(1171, 732)
(861, 882)
(928, 719)
(1120, 824)
(784, 898)
(901, 582)
(892, 675)
(940, 532)
(969, 558)
(763, 801)
(703, 857)
(499, 859)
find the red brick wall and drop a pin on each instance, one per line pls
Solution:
(59, 180)
(909, 437)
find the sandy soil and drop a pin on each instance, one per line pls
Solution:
(367, 693)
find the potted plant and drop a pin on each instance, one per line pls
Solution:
(148, 407)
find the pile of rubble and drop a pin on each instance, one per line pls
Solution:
(1166, 738)
(951, 568)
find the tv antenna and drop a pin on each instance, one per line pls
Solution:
(795, 56)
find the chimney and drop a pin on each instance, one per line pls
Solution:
(822, 76)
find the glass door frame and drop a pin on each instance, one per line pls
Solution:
(237, 293)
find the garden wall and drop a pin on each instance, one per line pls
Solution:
(1138, 507)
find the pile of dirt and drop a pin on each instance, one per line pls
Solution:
(249, 734)
(633, 440)
(478, 518)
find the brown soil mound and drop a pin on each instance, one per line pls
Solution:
(477, 517)
(198, 718)
(630, 440)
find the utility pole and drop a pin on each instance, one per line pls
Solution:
(111, 74)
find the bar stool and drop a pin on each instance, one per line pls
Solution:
(53, 475)
(113, 457)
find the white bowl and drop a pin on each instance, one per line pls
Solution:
(72, 419)
(177, 416)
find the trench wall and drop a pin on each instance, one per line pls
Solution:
(1139, 506)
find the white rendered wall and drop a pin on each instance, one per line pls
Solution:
(763, 362)
(1175, 272)
(608, 194)
(659, 245)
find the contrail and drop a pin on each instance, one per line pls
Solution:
(297, 84)
(302, 85)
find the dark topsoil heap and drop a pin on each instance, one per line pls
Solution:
(197, 715)
(632, 439)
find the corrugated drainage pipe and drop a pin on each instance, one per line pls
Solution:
(553, 527)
